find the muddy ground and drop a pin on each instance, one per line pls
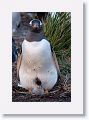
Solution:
(61, 91)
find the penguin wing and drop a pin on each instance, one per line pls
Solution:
(19, 64)
(56, 62)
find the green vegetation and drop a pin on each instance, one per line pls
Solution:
(58, 31)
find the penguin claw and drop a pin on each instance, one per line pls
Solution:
(46, 92)
(30, 91)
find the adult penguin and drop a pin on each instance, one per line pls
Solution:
(37, 66)
(14, 51)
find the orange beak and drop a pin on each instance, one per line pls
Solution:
(35, 26)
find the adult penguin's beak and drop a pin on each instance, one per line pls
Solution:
(35, 26)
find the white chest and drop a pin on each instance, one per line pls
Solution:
(37, 62)
(37, 54)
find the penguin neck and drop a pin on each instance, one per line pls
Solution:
(33, 36)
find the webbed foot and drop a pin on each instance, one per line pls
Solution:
(46, 91)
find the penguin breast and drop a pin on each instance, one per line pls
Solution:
(37, 62)
(37, 54)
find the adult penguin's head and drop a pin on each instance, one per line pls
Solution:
(36, 25)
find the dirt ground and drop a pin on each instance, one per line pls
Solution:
(61, 91)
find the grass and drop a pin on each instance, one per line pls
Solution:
(58, 31)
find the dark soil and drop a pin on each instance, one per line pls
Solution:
(61, 91)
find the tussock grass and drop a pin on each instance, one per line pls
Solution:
(58, 31)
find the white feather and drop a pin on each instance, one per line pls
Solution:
(37, 62)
